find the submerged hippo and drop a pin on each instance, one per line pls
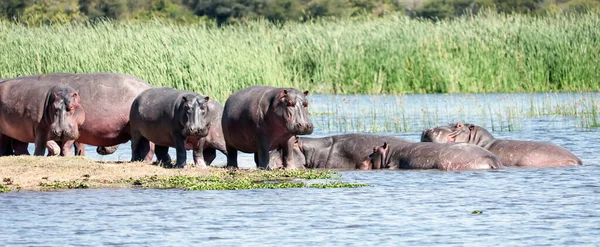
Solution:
(510, 152)
(107, 98)
(347, 151)
(39, 111)
(259, 119)
(169, 118)
(353, 151)
(427, 155)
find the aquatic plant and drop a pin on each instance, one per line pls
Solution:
(236, 180)
(3, 189)
(58, 185)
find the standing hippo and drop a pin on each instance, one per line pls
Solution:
(107, 98)
(427, 155)
(347, 151)
(259, 119)
(39, 111)
(169, 118)
(510, 152)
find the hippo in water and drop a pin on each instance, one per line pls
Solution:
(259, 119)
(107, 98)
(428, 155)
(510, 152)
(39, 111)
(169, 118)
(347, 151)
(353, 151)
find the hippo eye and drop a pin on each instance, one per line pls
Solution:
(290, 103)
(203, 107)
(186, 107)
(305, 104)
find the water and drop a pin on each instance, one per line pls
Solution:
(521, 207)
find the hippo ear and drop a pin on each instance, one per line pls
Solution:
(306, 93)
(184, 98)
(385, 146)
(75, 97)
(471, 127)
(207, 98)
(285, 92)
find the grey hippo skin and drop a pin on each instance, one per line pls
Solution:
(259, 119)
(353, 151)
(107, 98)
(169, 118)
(37, 112)
(510, 152)
(427, 155)
(347, 151)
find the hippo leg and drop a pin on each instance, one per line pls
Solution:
(150, 153)
(53, 148)
(197, 153)
(232, 154)
(288, 155)
(79, 148)
(180, 149)
(5, 145)
(262, 155)
(40, 141)
(162, 155)
(140, 147)
(67, 148)
(19, 147)
(209, 155)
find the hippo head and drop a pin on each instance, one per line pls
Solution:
(378, 159)
(446, 134)
(64, 113)
(292, 107)
(458, 132)
(192, 115)
(297, 154)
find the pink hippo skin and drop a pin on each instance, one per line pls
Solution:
(107, 98)
(39, 111)
(427, 155)
(510, 152)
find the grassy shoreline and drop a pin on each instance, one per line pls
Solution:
(30, 173)
(395, 54)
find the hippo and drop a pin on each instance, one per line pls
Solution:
(428, 155)
(510, 152)
(169, 118)
(353, 151)
(39, 111)
(107, 98)
(346, 151)
(258, 119)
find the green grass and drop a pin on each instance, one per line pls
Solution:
(60, 185)
(490, 53)
(238, 180)
(3, 189)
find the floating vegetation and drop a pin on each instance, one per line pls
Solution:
(59, 185)
(3, 189)
(240, 179)
(477, 212)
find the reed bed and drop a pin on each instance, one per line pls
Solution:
(391, 55)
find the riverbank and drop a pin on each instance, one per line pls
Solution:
(30, 173)
(394, 54)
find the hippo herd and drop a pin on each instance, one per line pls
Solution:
(59, 112)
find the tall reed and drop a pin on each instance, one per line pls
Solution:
(396, 54)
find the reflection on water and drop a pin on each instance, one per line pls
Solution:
(521, 207)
